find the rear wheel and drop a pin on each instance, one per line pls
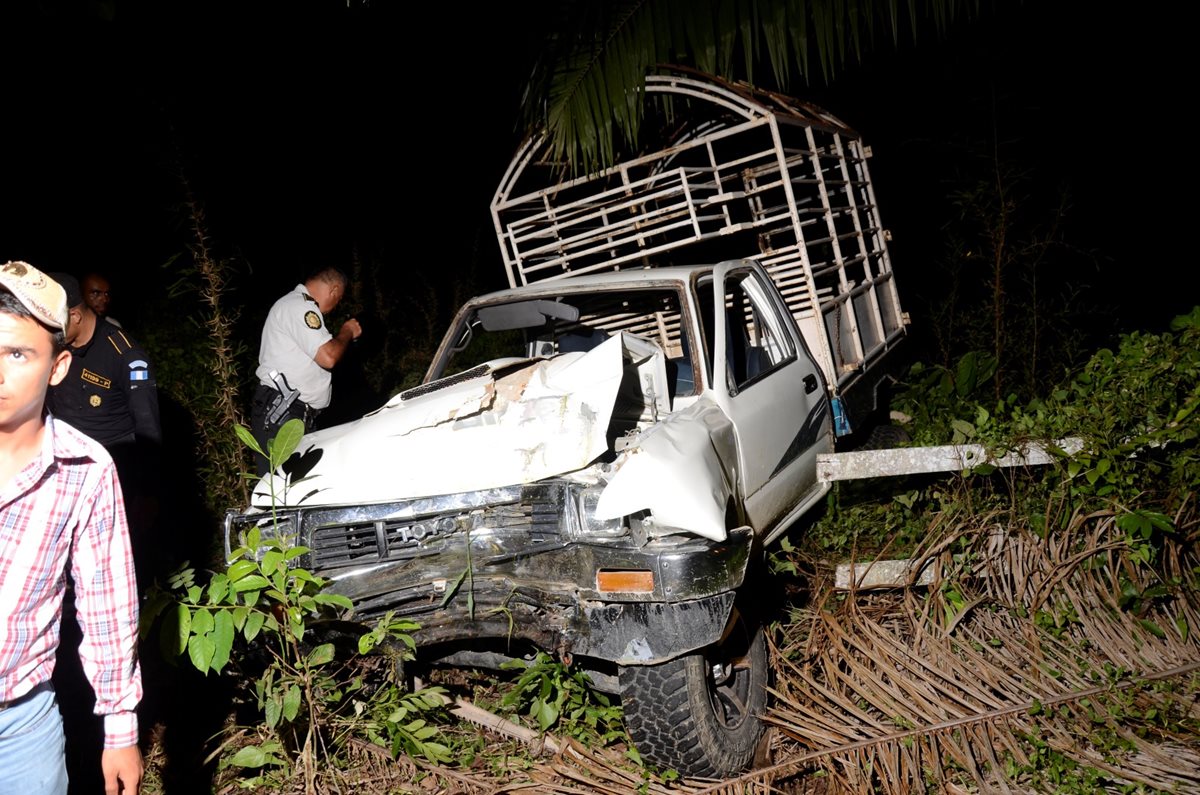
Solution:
(885, 437)
(699, 713)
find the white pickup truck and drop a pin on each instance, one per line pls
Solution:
(599, 456)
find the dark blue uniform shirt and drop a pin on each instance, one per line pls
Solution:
(109, 392)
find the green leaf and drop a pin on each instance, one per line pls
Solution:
(240, 569)
(156, 602)
(201, 649)
(436, 752)
(321, 655)
(222, 636)
(965, 378)
(291, 702)
(272, 560)
(285, 442)
(202, 622)
(963, 429)
(1152, 628)
(243, 433)
(272, 711)
(254, 623)
(250, 755)
(218, 588)
(255, 582)
(183, 628)
(547, 715)
(334, 599)
(453, 588)
(169, 644)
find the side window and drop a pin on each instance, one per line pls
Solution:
(756, 343)
(708, 323)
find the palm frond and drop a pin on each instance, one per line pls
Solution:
(584, 89)
(1033, 659)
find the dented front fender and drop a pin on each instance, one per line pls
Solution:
(683, 470)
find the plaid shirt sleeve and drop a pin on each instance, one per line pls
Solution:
(107, 608)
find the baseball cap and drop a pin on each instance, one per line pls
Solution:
(71, 285)
(45, 298)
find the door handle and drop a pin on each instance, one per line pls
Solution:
(810, 384)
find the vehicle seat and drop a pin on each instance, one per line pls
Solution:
(569, 343)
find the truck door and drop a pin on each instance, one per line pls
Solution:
(768, 384)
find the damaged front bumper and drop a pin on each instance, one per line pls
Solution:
(520, 562)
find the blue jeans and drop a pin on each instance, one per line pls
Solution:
(32, 754)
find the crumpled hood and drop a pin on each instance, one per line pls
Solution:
(518, 422)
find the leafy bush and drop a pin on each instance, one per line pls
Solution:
(556, 697)
(1133, 406)
(306, 691)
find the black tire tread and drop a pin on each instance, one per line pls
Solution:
(670, 722)
(885, 437)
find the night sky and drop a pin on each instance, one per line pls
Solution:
(323, 133)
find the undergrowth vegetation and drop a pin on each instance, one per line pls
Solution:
(1067, 594)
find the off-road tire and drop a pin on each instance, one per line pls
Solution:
(678, 716)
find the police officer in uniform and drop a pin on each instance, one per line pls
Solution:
(109, 392)
(296, 355)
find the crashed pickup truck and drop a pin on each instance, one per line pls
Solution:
(599, 456)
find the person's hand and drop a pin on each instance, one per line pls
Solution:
(353, 327)
(122, 770)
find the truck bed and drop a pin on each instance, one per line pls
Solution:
(729, 172)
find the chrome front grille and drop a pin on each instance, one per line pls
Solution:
(348, 537)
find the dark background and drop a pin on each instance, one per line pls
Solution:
(322, 132)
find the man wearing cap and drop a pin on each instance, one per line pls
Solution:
(61, 514)
(296, 355)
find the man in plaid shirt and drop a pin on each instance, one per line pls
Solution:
(61, 510)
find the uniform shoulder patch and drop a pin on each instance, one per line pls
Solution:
(312, 319)
(139, 370)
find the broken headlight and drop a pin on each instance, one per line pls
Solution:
(592, 527)
(240, 532)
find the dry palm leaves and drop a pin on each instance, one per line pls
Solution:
(1029, 659)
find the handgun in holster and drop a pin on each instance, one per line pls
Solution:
(285, 396)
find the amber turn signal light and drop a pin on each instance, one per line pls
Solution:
(625, 581)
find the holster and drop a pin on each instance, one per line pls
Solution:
(284, 397)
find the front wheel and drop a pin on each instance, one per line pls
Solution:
(699, 713)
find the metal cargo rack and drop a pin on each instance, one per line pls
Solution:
(726, 171)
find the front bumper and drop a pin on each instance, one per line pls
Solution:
(511, 563)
